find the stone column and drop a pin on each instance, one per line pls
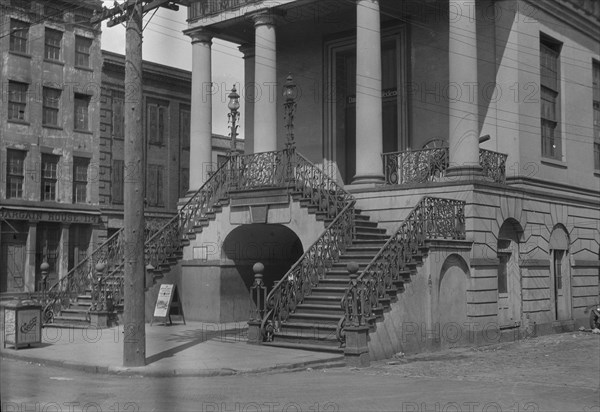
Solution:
(265, 78)
(463, 90)
(30, 252)
(201, 118)
(63, 251)
(369, 121)
(248, 93)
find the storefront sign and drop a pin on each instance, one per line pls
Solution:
(44, 216)
(384, 94)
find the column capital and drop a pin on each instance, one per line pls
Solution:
(200, 36)
(266, 17)
(248, 50)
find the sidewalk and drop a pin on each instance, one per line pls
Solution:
(195, 349)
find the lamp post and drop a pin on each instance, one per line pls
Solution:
(234, 117)
(289, 106)
(289, 94)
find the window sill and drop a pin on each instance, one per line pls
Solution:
(85, 69)
(51, 126)
(58, 62)
(553, 162)
(20, 54)
(82, 131)
(597, 172)
(21, 122)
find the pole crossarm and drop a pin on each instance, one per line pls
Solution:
(119, 13)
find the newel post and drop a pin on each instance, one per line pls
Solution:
(99, 314)
(356, 351)
(258, 295)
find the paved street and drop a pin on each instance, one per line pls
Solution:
(549, 373)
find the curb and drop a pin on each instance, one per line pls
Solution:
(141, 371)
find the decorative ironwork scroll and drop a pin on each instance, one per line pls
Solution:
(431, 218)
(430, 165)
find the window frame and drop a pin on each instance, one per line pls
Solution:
(157, 123)
(155, 185)
(550, 95)
(596, 111)
(85, 53)
(14, 175)
(53, 50)
(51, 109)
(117, 193)
(185, 115)
(15, 39)
(80, 181)
(83, 124)
(20, 104)
(49, 177)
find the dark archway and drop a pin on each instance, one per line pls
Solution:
(275, 246)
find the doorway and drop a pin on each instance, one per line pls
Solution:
(340, 145)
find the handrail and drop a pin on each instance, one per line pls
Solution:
(430, 218)
(111, 252)
(298, 282)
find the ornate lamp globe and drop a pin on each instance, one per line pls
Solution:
(289, 89)
(234, 100)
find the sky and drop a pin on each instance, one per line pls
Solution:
(165, 43)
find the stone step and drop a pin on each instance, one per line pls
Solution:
(308, 308)
(306, 346)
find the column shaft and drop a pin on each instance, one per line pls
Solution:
(201, 118)
(265, 77)
(369, 121)
(463, 90)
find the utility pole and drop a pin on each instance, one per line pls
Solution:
(132, 12)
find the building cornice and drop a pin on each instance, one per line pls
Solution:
(573, 14)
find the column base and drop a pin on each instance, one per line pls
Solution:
(464, 173)
(356, 352)
(366, 179)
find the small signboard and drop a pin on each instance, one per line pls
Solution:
(22, 324)
(167, 304)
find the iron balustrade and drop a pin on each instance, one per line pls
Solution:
(203, 8)
(431, 218)
(430, 165)
(493, 165)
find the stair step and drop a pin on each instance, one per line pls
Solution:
(67, 325)
(368, 230)
(306, 346)
(317, 317)
(74, 313)
(327, 340)
(323, 299)
(328, 291)
(70, 319)
(309, 308)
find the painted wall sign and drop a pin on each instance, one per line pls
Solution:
(63, 217)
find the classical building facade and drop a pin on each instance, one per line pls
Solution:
(489, 105)
(49, 205)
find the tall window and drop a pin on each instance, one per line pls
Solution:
(15, 173)
(52, 42)
(184, 156)
(17, 101)
(82, 103)
(51, 105)
(154, 185)
(82, 51)
(118, 114)
(550, 90)
(19, 32)
(558, 257)
(503, 273)
(49, 176)
(117, 180)
(596, 77)
(157, 123)
(80, 179)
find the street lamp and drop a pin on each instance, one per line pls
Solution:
(289, 94)
(234, 116)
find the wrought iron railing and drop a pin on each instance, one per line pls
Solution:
(161, 246)
(204, 8)
(430, 165)
(493, 165)
(415, 166)
(322, 192)
(431, 218)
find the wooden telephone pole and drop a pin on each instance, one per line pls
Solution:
(132, 12)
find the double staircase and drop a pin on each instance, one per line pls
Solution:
(320, 296)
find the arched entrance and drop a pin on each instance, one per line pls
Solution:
(275, 246)
(452, 304)
(561, 273)
(509, 274)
